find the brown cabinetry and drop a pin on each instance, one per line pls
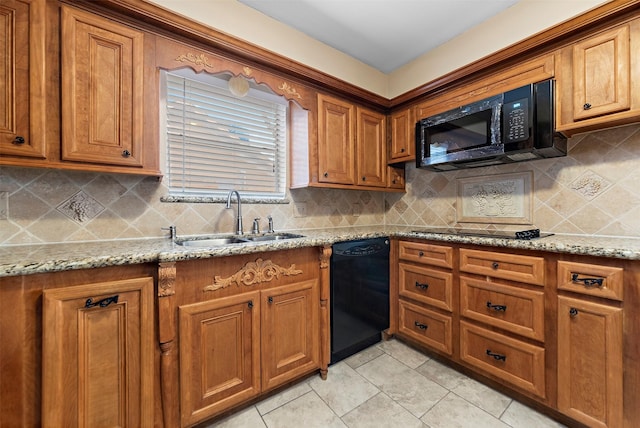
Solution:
(590, 344)
(352, 149)
(102, 90)
(22, 79)
(425, 294)
(245, 325)
(402, 127)
(97, 349)
(598, 80)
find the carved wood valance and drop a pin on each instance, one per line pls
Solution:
(253, 273)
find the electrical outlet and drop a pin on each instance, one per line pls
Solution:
(4, 205)
(300, 209)
(356, 209)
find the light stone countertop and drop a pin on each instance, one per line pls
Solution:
(33, 259)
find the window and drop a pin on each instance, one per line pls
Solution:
(216, 142)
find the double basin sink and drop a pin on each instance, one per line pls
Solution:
(235, 239)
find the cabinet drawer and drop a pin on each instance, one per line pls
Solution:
(426, 326)
(515, 309)
(435, 255)
(595, 280)
(514, 267)
(426, 285)
(519, 363)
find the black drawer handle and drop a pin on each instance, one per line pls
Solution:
(103, 303)
(573, 312)
(496, 357)
(587, 282)
(421, 326)
(495, 265)
(18, 140)
(497, 308)
(250, 304)
(586, 106)
(422, 286)
(420, 253)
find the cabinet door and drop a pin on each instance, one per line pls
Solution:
(102, 90)
(402, 136)
(219, 355)
(371, 148)
(601, 73)
(590, 362)
(22, 78)
(97, 355)
(290, 332)
(336, 142)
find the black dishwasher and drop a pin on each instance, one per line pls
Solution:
(359, 295)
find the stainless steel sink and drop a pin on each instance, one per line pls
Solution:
(211, 242)
(227, 240)
(273, 237)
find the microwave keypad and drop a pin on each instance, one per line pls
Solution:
(516, 120)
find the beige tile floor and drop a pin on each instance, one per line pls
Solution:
(388, 385)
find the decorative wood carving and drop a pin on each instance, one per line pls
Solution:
(253, 273)
(325, 256)
(195, 59)
(247, 71)
(166, 279)
(290, 90)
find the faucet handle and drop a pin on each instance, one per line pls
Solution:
(270, 223)
(172, 232)
(256, 225)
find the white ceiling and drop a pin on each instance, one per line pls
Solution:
(384, 34)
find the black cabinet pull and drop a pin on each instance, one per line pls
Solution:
(103, 303)
(126, 153)
(421, 326)
(250, 304)
(573, 312)
(495, 265)
(18, 140)
(496, 357)
(422, 286)
(402, 150)
(420, 253)
(270, 299)
(587, 282)
(326, 174)
(364, 178)
(497, 308)
(586, 106)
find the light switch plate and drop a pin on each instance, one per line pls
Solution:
(356, 209)
(300, 209)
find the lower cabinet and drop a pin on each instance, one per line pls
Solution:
(590, 362)
(233, 348)
(97, 355)
(233, 328)
(559, 332)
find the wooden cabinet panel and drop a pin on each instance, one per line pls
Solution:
(371, 148)
(513, 267)
(601, 71)
(429, 286)
(22, 78)
(219, 355)
(395, 178)
(517, 362)
(436, 255)
(515, 309)
(426, 326)
(336, 142)
(290, 332)
(403, 144)
(98, 355)
(590, 373)
(594, 280)
(102, 90)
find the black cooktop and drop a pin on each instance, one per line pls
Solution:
(505, 234)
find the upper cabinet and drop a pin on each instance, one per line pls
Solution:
(599, 81)
(402, 127)
(102, 92)
(351, 150)
(22, 79)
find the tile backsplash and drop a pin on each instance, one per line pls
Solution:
(592, 191)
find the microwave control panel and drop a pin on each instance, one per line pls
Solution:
(515, 117)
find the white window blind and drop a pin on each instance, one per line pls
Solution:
(217, 142)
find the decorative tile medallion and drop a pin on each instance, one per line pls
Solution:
(80, 207)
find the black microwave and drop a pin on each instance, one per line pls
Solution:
(514, 126)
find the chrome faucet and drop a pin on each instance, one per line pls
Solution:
(270, 224)
(239, 217)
